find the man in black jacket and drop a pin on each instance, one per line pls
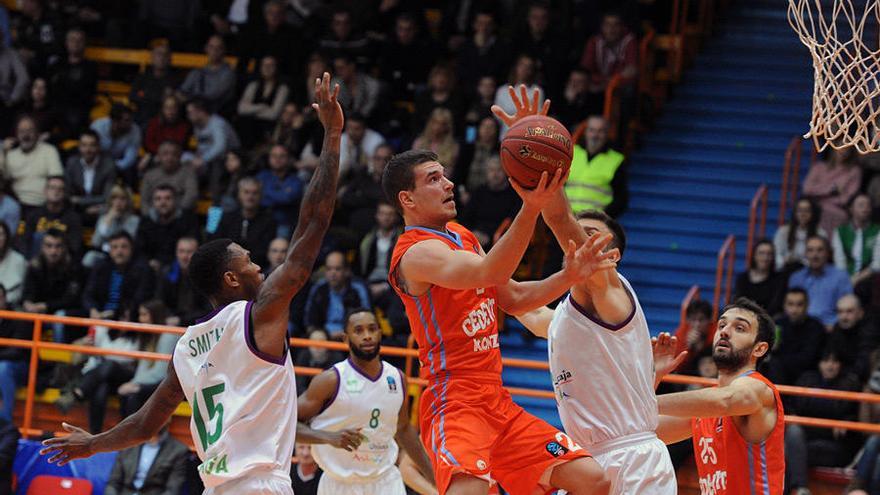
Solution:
(330, 298)
(53, 282)
(185, 304)
(800, 342)
(90, 174)
(157, 467)
(159, 231)
(854, 336)
(121, 281)
(250, 226)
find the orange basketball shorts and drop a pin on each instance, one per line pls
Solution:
(475, 428)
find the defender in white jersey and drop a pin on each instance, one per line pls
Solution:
(602, 366)
(366, 394)
(234, 368)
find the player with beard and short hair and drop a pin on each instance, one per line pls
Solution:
(357, 418)
(737, 427)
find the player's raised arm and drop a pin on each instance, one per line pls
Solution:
(270, 310)
(409, 441)
(744, 396)
(671, 429)
(133, 430)
(537, 321)
(309, 404)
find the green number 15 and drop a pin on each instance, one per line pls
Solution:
(213, 409)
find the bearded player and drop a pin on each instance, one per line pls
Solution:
(234, 367)
(471, 428)
(738, 427)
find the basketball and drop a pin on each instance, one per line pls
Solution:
(533, 145)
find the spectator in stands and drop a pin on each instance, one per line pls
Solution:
(358, 91)
(151, 87)
(800, 342)
(490, 204)
(173, 19)
(10, 210)
(440, 93)
(9, 436)
(357, 145)
(121, 139)
(695, 334)
(251, 226)
(261, 104)
(470, 171)
(545, 45)
(118, 216)
(855, 336)
(825, 284)
(614, 50)
(157, 467)
(332, 296)
(305, 474)
(282, 190)
(170, 171)
(163, 225)
(760, 282)
(438, 136)
(480, 104)
(89, 176)
(236, 169)
(832, 447)
(790, 240)
(149, 372)
(575, 99)
(484, 53)
(866, 480)
(55, 214)
(12, 268)
(14, 82)
(167, 125)
(122, 281)
(406, 58)
(598, 176)
(358, 197)
(343, 41)
(374, 254)
(523, 72)
(53, 282)
(855, 242)
(276, 254)
(74, 81)
(833, 183)
(13, 361)
(40, 108)
(30, 164)
(272, 38)
(215, 82)
(215, 137)
(184, 303)
(37, 35)
(292, 130)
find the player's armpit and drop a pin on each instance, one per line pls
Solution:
(537, 321)
(431, 262)
(672, 430)
(319, 393)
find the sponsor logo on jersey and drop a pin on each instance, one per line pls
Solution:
(214, 465)
(392, 384)
(486, 343)
(713, 483)
(204, 367)
(481, 465)
(353, 385)
(479, 318)
(556, 449)
(562, 378)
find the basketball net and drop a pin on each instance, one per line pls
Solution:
(843, 41)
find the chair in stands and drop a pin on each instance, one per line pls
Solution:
(45, 484)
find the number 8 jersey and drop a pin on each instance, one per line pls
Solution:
(243, 401)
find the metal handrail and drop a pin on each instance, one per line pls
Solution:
(758, 220)
(788, 194)
(726, 256)
(693, 294)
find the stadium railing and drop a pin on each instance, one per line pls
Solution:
(724, 274)
(757, 221)
(39, 321)
(791, 168)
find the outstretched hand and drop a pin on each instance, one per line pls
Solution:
(583, 262)
(544, 192)
(76, 445)
(327, 105)
(524, 107)
(665, 359)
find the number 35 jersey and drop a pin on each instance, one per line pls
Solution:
(243, 401)
(368, 403)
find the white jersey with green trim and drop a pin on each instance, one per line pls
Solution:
(371, 404)
(243, 401)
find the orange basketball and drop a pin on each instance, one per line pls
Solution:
(533, 145)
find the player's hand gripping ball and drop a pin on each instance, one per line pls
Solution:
(535, 144)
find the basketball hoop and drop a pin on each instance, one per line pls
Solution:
(844, 44)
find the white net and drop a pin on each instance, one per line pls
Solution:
(842, 37)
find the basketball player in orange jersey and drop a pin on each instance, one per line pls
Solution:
(738, 426)
(471, 428)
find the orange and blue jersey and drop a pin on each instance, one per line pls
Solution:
(728, 464)
(456, 330)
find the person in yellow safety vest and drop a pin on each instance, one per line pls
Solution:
(598, 173)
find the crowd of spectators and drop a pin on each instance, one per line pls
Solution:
(104, 199)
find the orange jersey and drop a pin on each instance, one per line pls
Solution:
(729, 465)
(456, 330)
